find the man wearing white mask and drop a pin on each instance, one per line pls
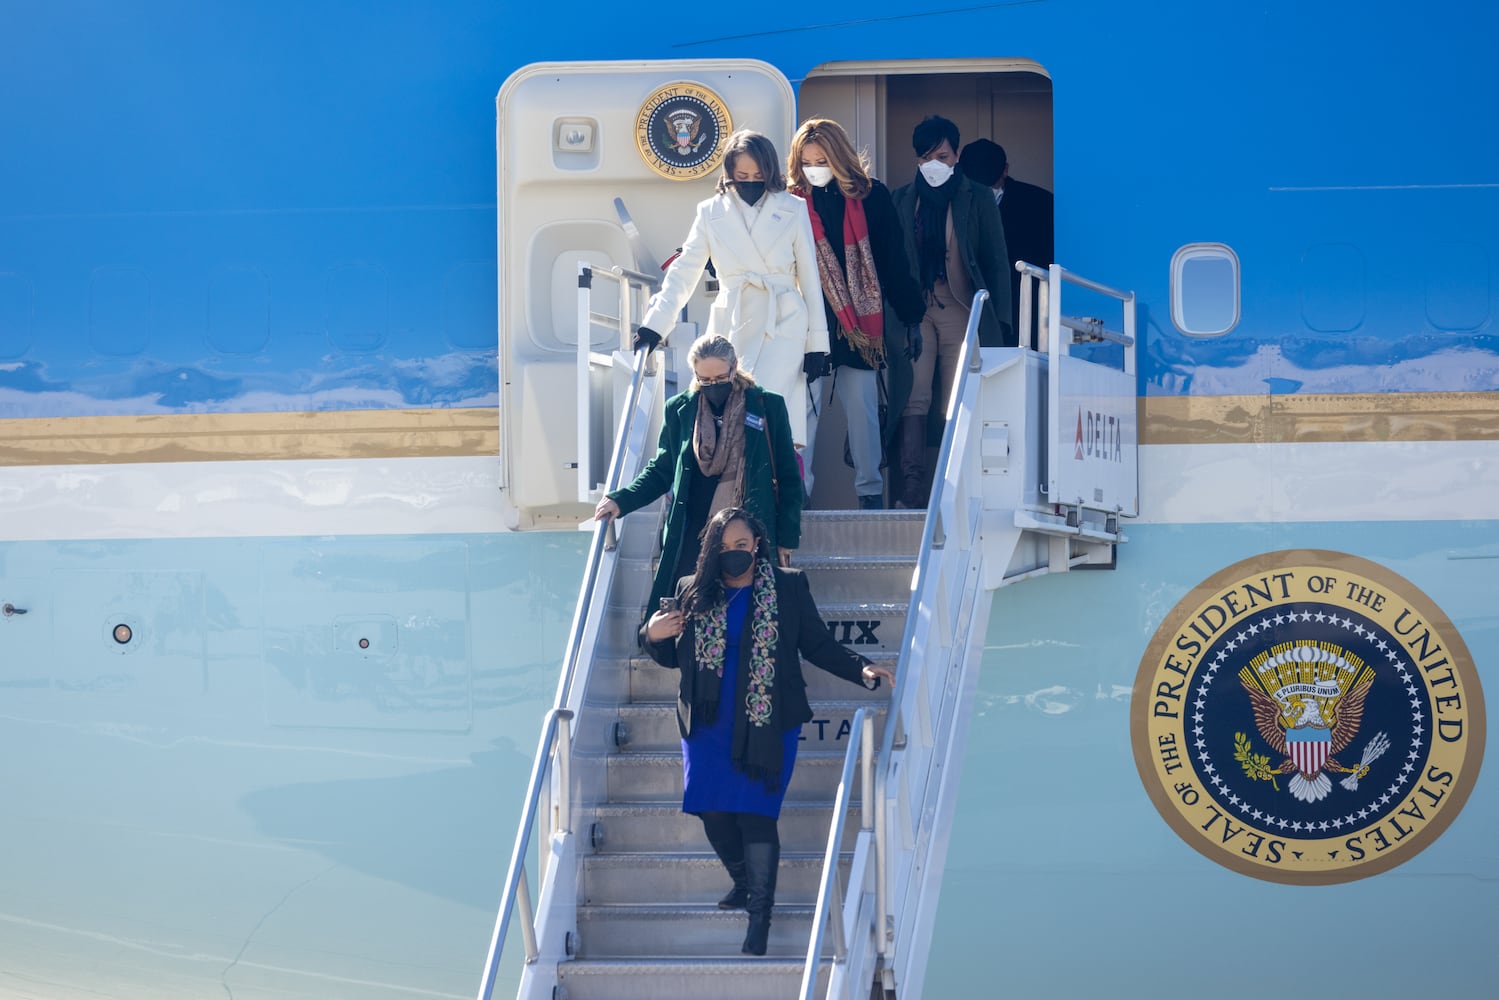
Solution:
(956, 245)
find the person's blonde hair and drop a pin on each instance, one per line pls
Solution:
(716, 345)
(850, 167)
(762, 153)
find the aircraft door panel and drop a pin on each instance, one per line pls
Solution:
(366, 635)
(601, 163)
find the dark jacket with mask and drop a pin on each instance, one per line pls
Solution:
(981, 242)
(772, 486)
(801, 635)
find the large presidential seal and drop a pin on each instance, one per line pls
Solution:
(680, 131)
(1307, 717)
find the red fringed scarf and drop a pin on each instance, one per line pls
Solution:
(853, 292)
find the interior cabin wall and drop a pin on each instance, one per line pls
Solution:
(878, 111)
(1012, 108)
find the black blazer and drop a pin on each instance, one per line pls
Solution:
(802, 634)
(1027, 213)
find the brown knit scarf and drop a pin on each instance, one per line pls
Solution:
(720, 448)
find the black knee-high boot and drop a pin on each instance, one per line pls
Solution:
(723, 834)
(761, 861)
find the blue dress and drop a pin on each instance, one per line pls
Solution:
(710, 781)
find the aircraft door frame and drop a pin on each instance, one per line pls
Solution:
(571, 140)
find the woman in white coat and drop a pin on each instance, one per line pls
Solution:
(769, 301)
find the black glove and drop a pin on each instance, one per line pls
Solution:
(815, 364)
(913, 342)
(647, 338)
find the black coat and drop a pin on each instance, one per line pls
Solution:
(1027, 213)
(898, 287)
(802, 635)
(981, 241)
(772, 481)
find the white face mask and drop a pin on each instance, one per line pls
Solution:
(936, 172)
(818, 176)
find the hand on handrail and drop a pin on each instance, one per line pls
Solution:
(606, 510)
(647, 338)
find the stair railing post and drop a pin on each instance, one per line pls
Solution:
(585, 402)
(882, 926)
(1026, 335)
(563, 749)
(527, 917)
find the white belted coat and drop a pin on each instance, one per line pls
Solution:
(769, 301)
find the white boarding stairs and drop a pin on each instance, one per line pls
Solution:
(1037, 466)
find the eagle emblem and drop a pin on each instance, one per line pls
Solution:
(682, 128)
(1308, 703)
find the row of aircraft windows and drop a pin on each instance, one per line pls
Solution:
(1205, 300)
(1205, 288)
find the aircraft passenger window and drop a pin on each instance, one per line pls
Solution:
(1205, 289)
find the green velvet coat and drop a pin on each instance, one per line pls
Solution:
(770, 471)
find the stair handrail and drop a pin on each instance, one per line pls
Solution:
(909, 667)
(516, 886)
(830, 889)
(1047, 282)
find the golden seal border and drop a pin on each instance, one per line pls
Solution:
(1176, 620)
(664, 93)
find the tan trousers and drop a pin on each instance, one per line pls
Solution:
(942, 330)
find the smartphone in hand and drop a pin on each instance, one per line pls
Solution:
(670, 604)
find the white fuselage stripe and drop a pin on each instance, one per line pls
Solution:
(1179, 484)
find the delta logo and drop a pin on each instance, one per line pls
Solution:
(1099, 436)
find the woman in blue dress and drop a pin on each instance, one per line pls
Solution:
(743, 627)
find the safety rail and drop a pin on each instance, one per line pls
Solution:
(933, 588)
(1104, 389)
(1041, 286)
(555, 732)
(555, 736)
(941, 596)
(831, 890)
(633, 287)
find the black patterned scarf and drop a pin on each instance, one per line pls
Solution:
(756, 746)
(932, 204)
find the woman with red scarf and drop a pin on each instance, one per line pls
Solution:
(861, 257)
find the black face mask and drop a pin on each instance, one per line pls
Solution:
(736, 562)
(750, 191)
(718, 394)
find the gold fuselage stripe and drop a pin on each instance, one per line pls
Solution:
(236, 437)
(1299, 419)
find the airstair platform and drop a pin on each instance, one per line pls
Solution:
(648, 924)
(1037, 469)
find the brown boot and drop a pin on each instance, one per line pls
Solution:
(912, 461)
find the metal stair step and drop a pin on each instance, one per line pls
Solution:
(651, 776)
(653, 726)
(738, 978)
(649, 827)
(651, 682)
(692, 878)
(851, 579)
(682, 931)
(871, 533)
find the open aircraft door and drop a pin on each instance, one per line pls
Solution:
(599, 164)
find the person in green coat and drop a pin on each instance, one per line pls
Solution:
(725, 442)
